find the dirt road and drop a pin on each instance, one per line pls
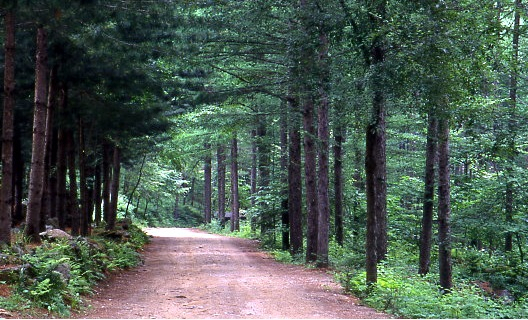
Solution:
(191, 274)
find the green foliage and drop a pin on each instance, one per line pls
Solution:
(412, 296)
(57, 273)
(189, 216)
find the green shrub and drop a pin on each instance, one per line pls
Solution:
(412, 296)
(55, 274)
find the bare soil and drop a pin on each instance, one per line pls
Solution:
(189, 273)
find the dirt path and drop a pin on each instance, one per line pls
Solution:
(192, 274)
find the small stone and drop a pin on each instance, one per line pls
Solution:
(56, 234)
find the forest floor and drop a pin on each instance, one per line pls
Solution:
(188, 273)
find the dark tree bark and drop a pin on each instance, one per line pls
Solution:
(305, 75)
(97, 194)
(62, 164)
(339, 138)
(429, 191)
(8, 129)
(208, 189)
(375, 157)
(285, 220)
(36, 178)
(295, 180)
(254, 162)
(235, 205)
(114, 189)
(48, 191)
(84, 192)
(107, 179)
(323, 133)
(73, 202)
(310, 173)
(444, 206)
(18, 181)
(89, 203)
(221, 175)
(512, 124)
(295, 145)
(191, 192)
(53, 179)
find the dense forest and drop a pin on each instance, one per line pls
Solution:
(382, 138)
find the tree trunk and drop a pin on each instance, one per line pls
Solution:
(323, 133)
(107, 180)
(114, 190)
(253, 174)
(444, 206)
(208, 192)
(97, 194)
(90, 196)
(73, 202)
(295, 145)
(295, 180)
(338, 184)
(36, 177)
(285, 219)
(145, 209)
(62, 192)
(18, 180)
(235, 226)
(310, 172)
(6, 206)
(512, 125)
(193, 181)
(85, 212)
(53, 179)
(221, 175)
(48, 191)
(429, 190)
(307, 89)
(375, 169)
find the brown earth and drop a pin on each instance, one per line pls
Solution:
(188, 273)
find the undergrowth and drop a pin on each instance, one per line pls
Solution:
(55, 274)
(402, 292)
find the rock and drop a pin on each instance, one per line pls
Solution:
(56, 234)
(505, 296)
(120, 235)
(17, 249)
(5, 314)
(9, 259)
(12, 274)
(124, 224)
(64, 270)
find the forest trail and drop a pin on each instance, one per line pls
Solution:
(189, 273)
